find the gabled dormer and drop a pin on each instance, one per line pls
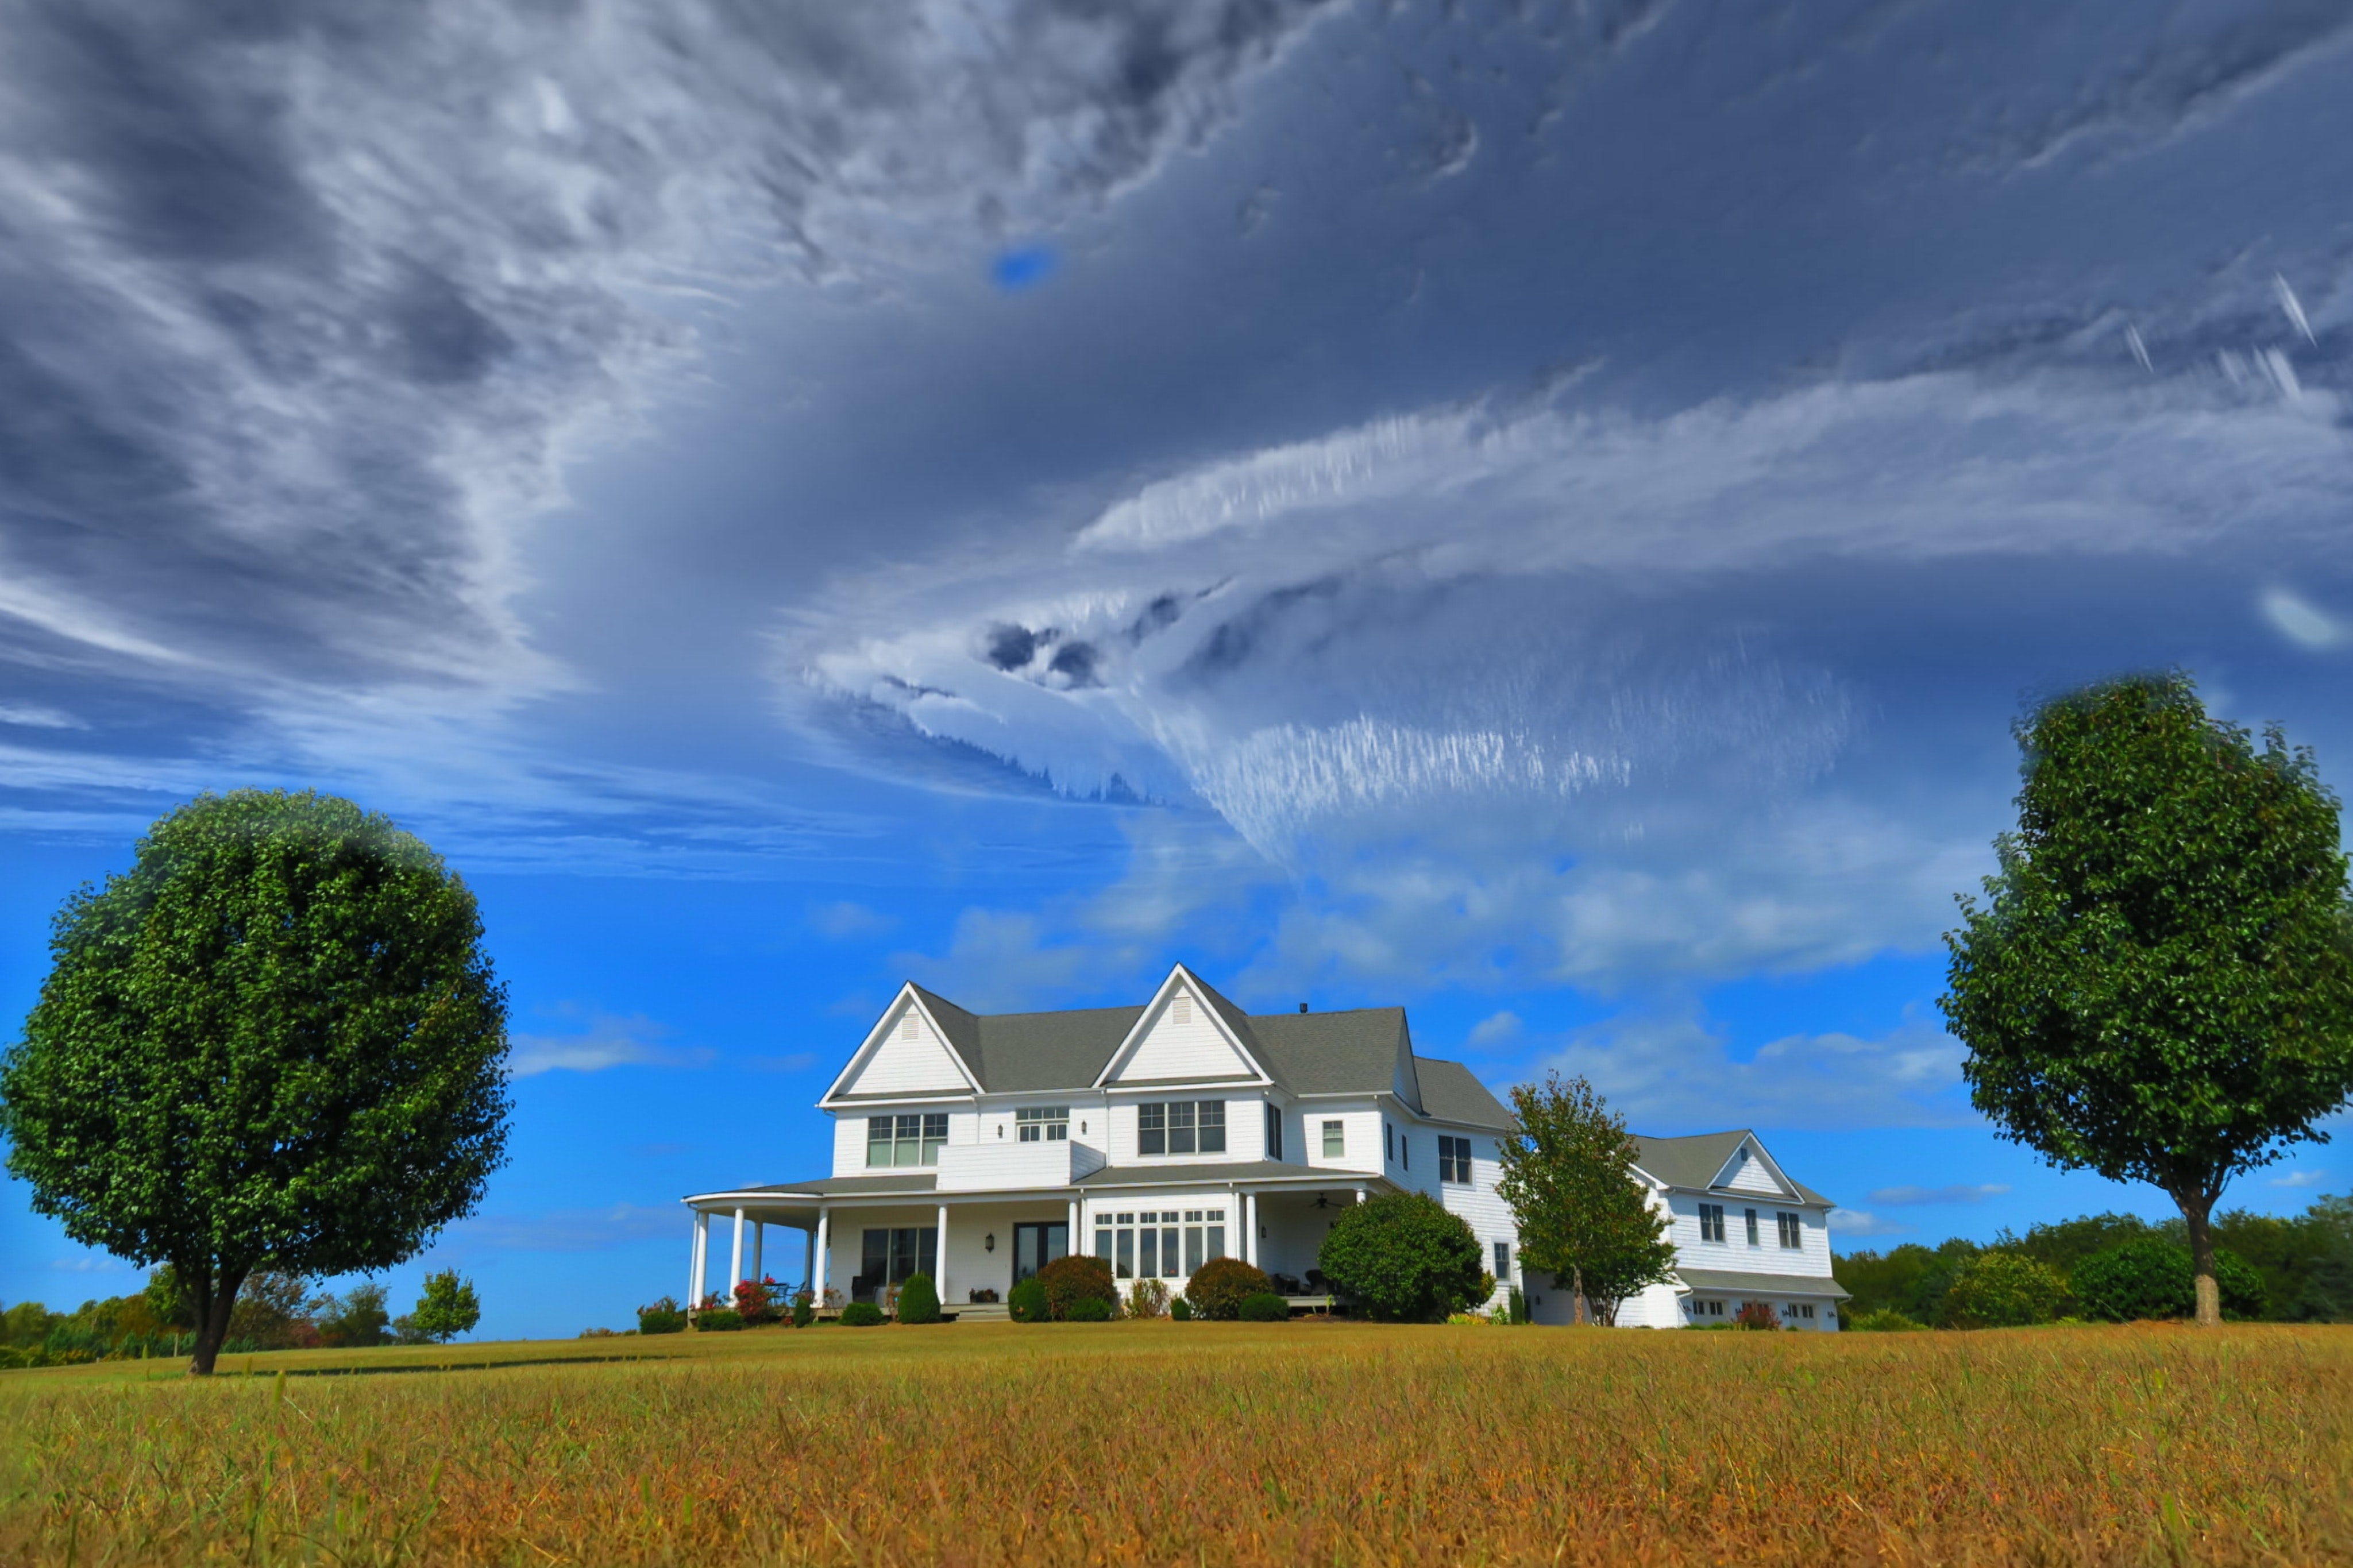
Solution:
(912, 1052)
(1187, 1034)
(1749, 1169)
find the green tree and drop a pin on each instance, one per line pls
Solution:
(1402, 1255)
(1910, 1279)
(1583, 1216)
(275, 1042)
(167, 1301)
(2160, 985)
(2151, 1278)
(2003, 1291)
(448, 1308)
(360, 1318)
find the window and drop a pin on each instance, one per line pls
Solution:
(1162, 1244)
(1793, 1231)
(1752, 1225)
(1335, 1140)
(894, 1257)
(1503, 1263)
(1274, 1132)
(905, 1140)
(1043, 1124)
(1705, 1309)
(1453, 1159)
(1389, 1141)
(1181, 1127)
(1711, 1222)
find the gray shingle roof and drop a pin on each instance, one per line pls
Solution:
(1762, 1285)
(1353, 1052)
(1694, 1161)
(1450, 1093)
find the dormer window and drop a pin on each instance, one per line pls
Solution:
(1043, 1124)
(893, 1140)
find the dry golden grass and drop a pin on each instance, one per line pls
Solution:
(1205, 1444)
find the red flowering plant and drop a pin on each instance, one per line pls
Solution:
(752, 1301)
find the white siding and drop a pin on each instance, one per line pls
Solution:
(1360, 1133)
(1734, 1254)
(849, 1145)
(1752, 1175)
(900, 1065)
(1482, 1208)
(1193, 1047)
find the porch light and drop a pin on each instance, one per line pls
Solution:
(988, 1242)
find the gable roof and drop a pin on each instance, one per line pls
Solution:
(1696, 1162)
(1450, 1093)
(1232, 1019)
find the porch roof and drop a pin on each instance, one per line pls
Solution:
(1763, 1284)
(1218, 1172)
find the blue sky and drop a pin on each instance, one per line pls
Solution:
(1540, 514)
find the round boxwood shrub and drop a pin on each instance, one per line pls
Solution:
(919, 1302)
(1217, 1286)
(1885, 1320)
(1076, 1279)
(2150, 1278)
(662, 1318)
(724, 1321)
(861, 1315)
(1263, 1307)
(804, 1310)
(1026, 1302)
(1180, 1309)
(2003, 1291)
(1404, 1258)
(1089, 1310)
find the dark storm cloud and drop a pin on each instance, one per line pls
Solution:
(304, 310)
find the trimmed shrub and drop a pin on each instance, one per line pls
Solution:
(1263, 1307)
(861, 1315)
(2151, 1278)
(1146, 1299)
(1757, 1315)
(2003, 1291)
(662, 1318)
(1217, 1286)
(726, 1321)
(1180, 1309)
(920, 1301)
(1026, 1302)
(1088, 1310)
(804, 1310)
(1886, 1321)
(1403, 1257)
(1069, 1280)
(1517, 1312)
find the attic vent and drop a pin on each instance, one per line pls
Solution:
(907, 1026)
(1181, 1009)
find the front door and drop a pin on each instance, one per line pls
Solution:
(1037, 1245)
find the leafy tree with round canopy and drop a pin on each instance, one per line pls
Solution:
(2159, 984)
(448, 1308)
(1402, 1255)
(1583, 1216)
(275, 1043)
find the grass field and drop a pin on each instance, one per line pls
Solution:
(1206, 1444)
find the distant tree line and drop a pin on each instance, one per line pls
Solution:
(274, 1312)
(2294, 1268)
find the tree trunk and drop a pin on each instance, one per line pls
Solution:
(1576, 1293)
(215, 1301)
(2196, 1209)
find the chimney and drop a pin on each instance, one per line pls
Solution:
(1302, 1006)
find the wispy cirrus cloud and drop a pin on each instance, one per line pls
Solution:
(1922, 1197)
(609, 1041)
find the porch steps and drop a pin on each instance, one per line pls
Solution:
(981, 1312)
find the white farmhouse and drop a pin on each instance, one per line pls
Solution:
(976, 1148)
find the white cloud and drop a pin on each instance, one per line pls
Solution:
(1913, 1197)
(1669, 1074)
(91, 1263)
(2300, 621)
(32, 717)
(846, 921)
(2307, 1178)
(1850, 1224)
(1001, 961)
(1497, 1028)
(610, 1041)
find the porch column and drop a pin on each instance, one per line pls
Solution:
(940, 1275)
(1076, 1250)
(695, 1252)
(1249, 1229)
(759, 1249)
(1360, 1194)
(809, 1259)
(735, 1257)
(824, 1247)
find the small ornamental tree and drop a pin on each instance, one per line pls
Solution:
(1077, 1278)
(1402, 1255)
(1583, 1217)
(2159, 984)
(2003, 1291)
(274, 1043)
(448, 1308)
(1217, 1286)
